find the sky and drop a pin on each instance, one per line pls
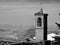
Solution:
(21, 12)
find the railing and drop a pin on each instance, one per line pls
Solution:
(46, 42)
(20, 43)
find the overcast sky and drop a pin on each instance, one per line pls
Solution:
(22, 11)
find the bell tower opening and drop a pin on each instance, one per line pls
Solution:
(39, 22)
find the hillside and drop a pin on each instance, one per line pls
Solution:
(16, 32)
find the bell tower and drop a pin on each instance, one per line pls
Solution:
(39, 19)
(41, 25)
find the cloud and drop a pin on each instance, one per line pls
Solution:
(43, 0)
(30, 0)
